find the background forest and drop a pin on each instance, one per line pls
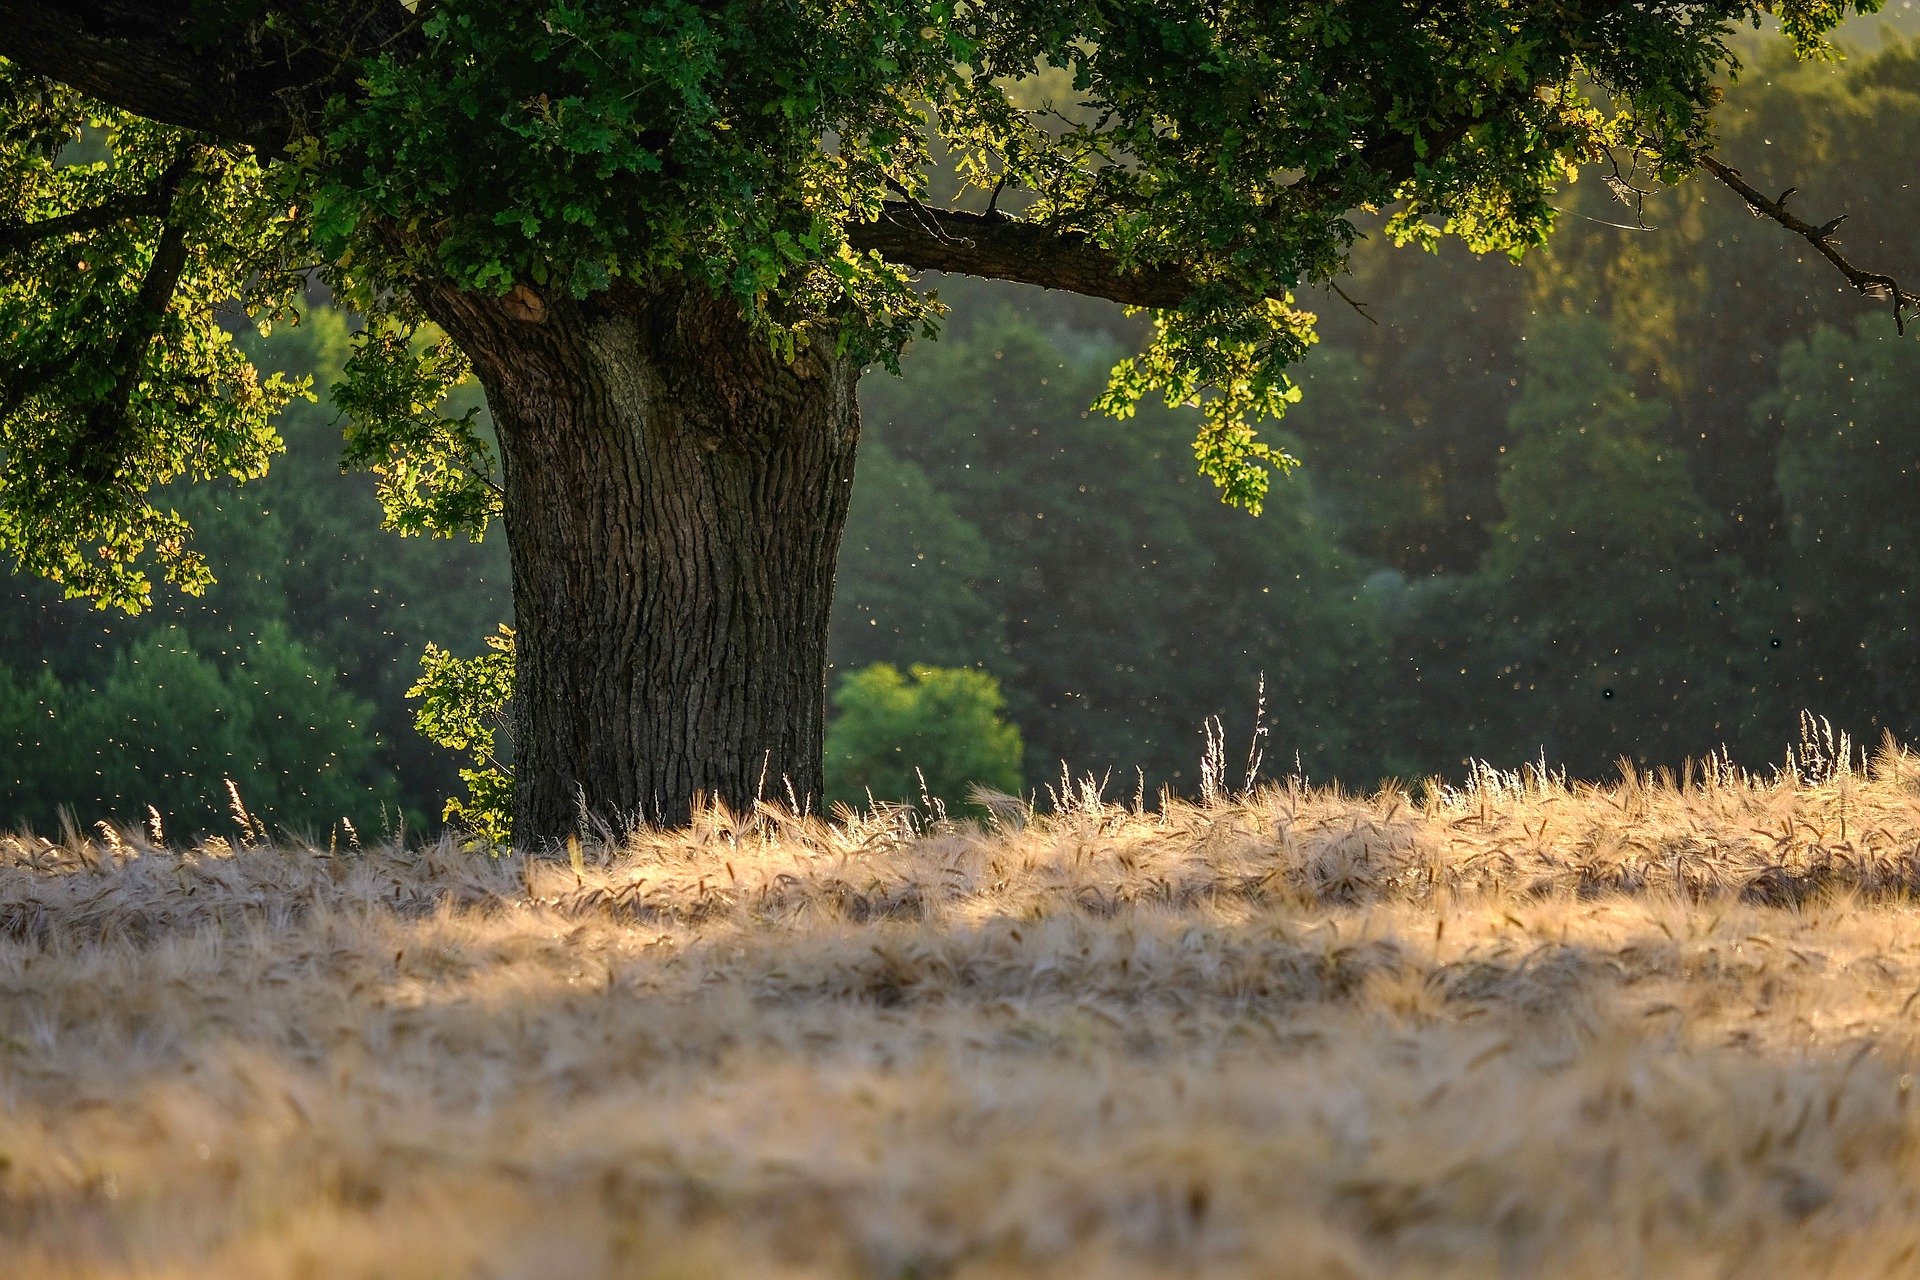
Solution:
(1648, 494)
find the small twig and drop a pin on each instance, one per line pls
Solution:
(920, 213)
(1602, 222)
(1869, 284)
(1360, 307)
(1624, 190)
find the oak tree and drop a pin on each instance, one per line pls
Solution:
(668, 235)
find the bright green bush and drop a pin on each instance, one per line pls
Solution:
(463, 705)
(939, 724)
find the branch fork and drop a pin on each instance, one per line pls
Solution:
(1869, 284)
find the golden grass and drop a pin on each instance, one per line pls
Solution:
(1524, 1029)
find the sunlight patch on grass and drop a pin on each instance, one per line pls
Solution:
(1526, 1027)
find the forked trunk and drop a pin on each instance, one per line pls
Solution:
(675, 494)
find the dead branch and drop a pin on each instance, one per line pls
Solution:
(1869, 284)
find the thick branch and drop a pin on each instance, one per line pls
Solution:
(239, 79)
(135, 204)
(1002, 248)
(1024, 252)
(99, 444)
(1870, 284)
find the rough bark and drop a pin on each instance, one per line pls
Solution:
(675, 493)
(930, 239)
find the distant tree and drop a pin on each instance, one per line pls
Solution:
(36, 747)
(1405, 407)
(1848, 410)
(1604, 620)
(163, 731)
(1703, 302)
(931, 733)
(309, 756)
(912, 573)
(668, 237)
(168, 726)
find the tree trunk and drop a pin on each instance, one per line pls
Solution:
(675, 493)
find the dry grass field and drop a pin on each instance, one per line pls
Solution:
(1653, 1029)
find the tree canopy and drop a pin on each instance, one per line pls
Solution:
(1205, 159)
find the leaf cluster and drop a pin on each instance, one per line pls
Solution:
(126, 246)
(463, 703)
(435, 472)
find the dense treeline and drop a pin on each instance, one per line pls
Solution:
(1646, 495)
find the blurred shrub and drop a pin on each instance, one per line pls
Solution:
(169, 725)
(939, 724)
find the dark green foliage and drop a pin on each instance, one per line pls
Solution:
(626, 140)
(1405, 411)
(931, 734)
(1604, 619)
(1124, 603)
(912, 574)
(1692, 507)
(1848, 409)
(1703, 305)
(167, 727)
(304, 568)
